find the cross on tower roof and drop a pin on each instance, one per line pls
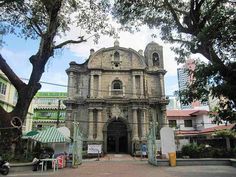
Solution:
(116, 37)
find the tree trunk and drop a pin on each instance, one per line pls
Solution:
(10, 143)
(228, 146)
(12, 122)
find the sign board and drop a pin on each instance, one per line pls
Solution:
(167, 141)
(94, 148)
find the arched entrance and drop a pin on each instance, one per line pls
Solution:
(117, 137)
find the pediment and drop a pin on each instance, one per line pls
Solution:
(116, 58)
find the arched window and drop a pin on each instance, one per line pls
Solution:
(116, 56)
(155, 59)
(117, 85)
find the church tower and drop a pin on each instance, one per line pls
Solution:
(154, 56)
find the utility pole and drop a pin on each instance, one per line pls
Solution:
(58, 112)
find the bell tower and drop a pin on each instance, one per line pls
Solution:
(154, 56)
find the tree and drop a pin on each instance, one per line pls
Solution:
(45, 20)
(227, 134)
(196, 26)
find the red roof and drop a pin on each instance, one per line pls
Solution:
(220, 127)
(187, 132)
(185, 113)
(206, 130)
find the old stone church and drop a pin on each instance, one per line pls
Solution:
(115, 94)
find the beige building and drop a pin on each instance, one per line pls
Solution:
(8, 99)
(115, 94)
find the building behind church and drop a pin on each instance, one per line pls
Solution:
(115, 95)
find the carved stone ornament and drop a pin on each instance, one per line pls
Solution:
(115, 111)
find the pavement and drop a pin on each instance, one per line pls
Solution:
(123, 165)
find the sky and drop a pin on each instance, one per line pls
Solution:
(16, 51)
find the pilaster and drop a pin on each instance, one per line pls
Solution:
(135, 125)
(99, 126)
(91, 85)
(90, 135)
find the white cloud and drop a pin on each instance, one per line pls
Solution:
(18, 61)
(55, 81)
(171, 88)
(136, 41)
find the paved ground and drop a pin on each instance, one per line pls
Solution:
(126, 166)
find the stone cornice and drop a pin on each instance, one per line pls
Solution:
(132, 101)
(156, 71)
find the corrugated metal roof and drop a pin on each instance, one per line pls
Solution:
(50, 135)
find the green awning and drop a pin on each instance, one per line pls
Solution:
(29, 134)
(50, 135)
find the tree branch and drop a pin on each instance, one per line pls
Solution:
(46, 44)
(70, 42)
(180, 26)
(14, 79)
(209, 14)
(35, 26)
(180, 11)
(181, 41)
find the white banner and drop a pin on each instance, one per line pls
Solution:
(94, 148)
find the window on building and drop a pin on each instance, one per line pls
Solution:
(39, 127)
(63, 114)
(15, 97)
(155, 59)
(3, 88)
(45, 114)
(117, 85)
(188, 123)
(116, 88)
(172, 123)
(116, 56)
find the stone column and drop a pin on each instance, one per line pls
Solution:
(90, 135)
(99, 86)
(69, 120)
(123, 90)
(135, 125)
(164, 117)
(141, 85)
(134, 87)
(91, 86)
(99, 126)
(109, 90)
(143, 124)
(147, 120)
(162, 86)
(71, 85)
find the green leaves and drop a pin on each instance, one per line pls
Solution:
(206, 27)
(31, 18)
(225, 133)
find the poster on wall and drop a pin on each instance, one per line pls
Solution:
(94, 148)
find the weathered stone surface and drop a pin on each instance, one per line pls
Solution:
(118, 85)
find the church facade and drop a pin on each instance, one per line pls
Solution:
(115, 95)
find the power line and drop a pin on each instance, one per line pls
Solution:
(98, 90)
(118, 122)
(49, 83)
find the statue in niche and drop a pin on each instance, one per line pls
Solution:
(115, 111)
(155, 59)
(116, 56)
